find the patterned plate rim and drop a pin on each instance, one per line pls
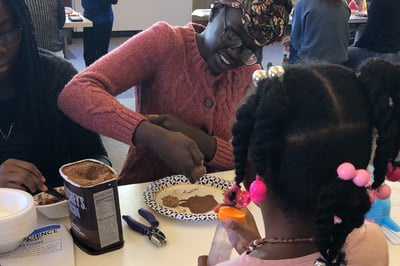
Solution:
(151, 190)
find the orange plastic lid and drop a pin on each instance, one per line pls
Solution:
(228, 212)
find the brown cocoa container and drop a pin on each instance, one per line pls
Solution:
(93, 203)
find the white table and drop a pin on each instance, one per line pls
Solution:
(186, 239)
(74, 24)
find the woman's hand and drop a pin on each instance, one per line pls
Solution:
(205, 142)
(21, 175)
(241, 234)
(178, 151)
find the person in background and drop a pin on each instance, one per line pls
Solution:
(188, 82)
(295, 132)
(48, 18)
(381, 35)
(320, 31)
(96, 39)
(36, 137)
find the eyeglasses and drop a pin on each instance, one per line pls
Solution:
(10, 38)
(232, 40)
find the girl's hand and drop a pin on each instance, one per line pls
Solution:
(241, 234)
(21, 175)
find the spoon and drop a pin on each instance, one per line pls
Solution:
(52, 191)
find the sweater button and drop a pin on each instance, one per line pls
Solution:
(208, 103)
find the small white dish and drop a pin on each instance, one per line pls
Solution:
(55, 209)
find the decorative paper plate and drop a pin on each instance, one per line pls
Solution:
(174, 196)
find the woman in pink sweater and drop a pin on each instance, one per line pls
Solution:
(188, 83)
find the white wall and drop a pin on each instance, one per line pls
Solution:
(141, 14)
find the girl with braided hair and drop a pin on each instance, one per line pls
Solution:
(295, 132)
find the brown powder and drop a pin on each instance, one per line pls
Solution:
(45, 198)
(88, 173)
(170, 201)
(200, 204)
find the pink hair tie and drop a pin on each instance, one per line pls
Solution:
(392, 172)
(383, 192)
(347, 171)
(361, 178)
(258, 190)
(241, 198)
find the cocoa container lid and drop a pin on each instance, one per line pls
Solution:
(87, 173)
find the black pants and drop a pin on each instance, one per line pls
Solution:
(96, 40)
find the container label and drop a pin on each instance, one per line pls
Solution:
(106, 215)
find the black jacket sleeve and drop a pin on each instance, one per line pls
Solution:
(75, 141)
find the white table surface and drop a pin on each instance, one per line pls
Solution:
(186, 239)
(77, 24)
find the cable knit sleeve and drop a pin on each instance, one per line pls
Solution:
(223, 158)
(89, 99)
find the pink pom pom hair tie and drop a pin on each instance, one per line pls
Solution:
(257, 193)
(361, 178)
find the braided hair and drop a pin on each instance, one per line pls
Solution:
(30, 78)
(297, 129)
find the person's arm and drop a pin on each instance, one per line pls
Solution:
(60, 13)
(81, 143)
(375, 14)
(88, 99)
(240, 235)
(218, 153)
(174, 148)
(21, 175)
(204, 141)
(296, 32)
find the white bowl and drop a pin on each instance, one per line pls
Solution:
(54, 210)
(17, 217)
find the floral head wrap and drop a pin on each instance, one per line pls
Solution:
(264, 20)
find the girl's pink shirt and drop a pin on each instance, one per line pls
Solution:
(365, 246)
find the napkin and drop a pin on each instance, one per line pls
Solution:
(47, 245)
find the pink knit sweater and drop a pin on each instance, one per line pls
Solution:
(164, 65)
